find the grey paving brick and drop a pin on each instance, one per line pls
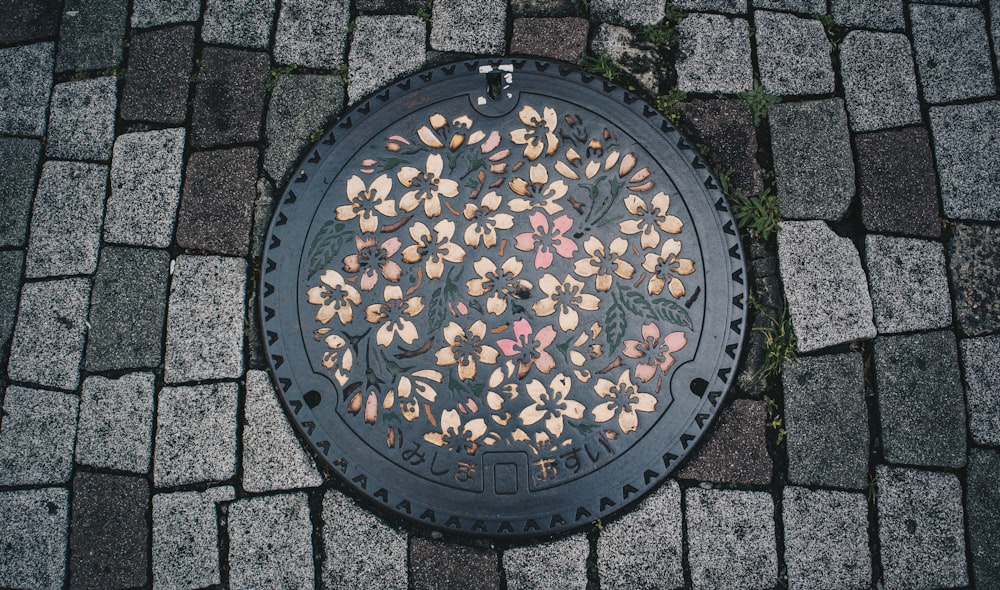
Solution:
(66, 219)
(28, 21)
(879, 82)
(825, 286)
(802, 6)
(160, 64)
(299, 105)
(246, 23)
(714, 54)
(186, 538)
(441, 564)
(533, 36)
(920, 529)
(48, 308)
(826, 539)
(270, 542)
(82, 119)
(116, 422)
(981, 368)
(636, 58)
(953, 57)
(127, 309)
(726, 127)
(384, 48)
(967, 146)
(975, 277)
(109, 533)
(626, 13)
(793, 54)
(725, 6)
(548, 566)
(153, 13)
(731, 541)
(195, 434)
(920, 399)
(898, 185)
(273, 457)
(642, 551)
(872, 14)
(469, 26)
(25, 85)
(812, 159)
(982, 500)
(145, 188)
(547, 8)
(312, 33)
(908, 283)
(36, 443)
(213, 216)
(92, 35)
(11, 268)
(361, 550)
(34, 525)
(17, 187)
(735, 450)
(826, 418)
(205, 319)
(229, 100)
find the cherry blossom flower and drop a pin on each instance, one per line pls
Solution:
(340, 358)
(655, 352)
(604, 261)
(434, 249)
(530, 352)
(465, 348)
(415, 387)
(373, 258)
(575, 164)
(455, 436)
(500, 284)
(551, 404)
(539, 134)
(334, 297)
(426, 186)
(500, 392)
(624, 400)
(484, 220)
(439, 133)
(586, 347)
(393, 311)
(539, 192)
(564, 297)
(547, 238)
(650, 217)
(365, 202)
(666, 267)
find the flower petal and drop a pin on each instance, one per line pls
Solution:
(603, 412)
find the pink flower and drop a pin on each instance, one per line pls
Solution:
(655, 352)
(373, 258)
(545, 238)
(530, 351)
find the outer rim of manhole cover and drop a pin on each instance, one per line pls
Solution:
(476, 460)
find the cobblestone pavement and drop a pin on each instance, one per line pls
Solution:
(142, 444)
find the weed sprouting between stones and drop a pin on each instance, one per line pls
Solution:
(757, 214)
(601, 64)
(759, 101)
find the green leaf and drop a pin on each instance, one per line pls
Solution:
(616, 325)
(673, 312)
(326, 245)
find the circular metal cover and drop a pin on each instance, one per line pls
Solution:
(503, 298)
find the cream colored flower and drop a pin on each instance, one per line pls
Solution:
(500, 284)
(624, 400)
(666, 267)
(456, 436)
(551, 404)
(334, 297)
(433, 249)
(426, 186)
(439, 134)
(539, 134)
(484, 220)
(604, 262)
(650, 217)
(465, 348)
(539, 192)
(564, 297)
(365, 202)
(575, 165)
(415, 387)
(393, 311)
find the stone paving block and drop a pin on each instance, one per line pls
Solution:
(975, 277)
(826, 539)
(17, 187)
(735, 448)
(826, 418)
(116, 422)
(908, 284)
(246, 23)
(25, 85)
(643, 549)
(953, 56)
(548, 566)
(879, 82)
(898, 185)
(49, 308)
(547, 8)
(469, 26)
(440, 564)
(793, 54)
(312, 33)
(195, 434)
(731, 541)
(36, 443)
(981, 367)
(145, 188)
(726, 127)
(872, 14)
(967, 145)
(825, 286)
(361, 551)
(229, 100)
(82, 119)
(273, 457)
(920, 399)
(109, 536)
(299, 105)
(714, 54)
(812, 159)
(186, 539)
(270, 543)
(205, 319)
(34, 525)
(92, 35)
(533, 36)
(636, 58)
(153, 13)
(920, 529)
(160, 64)
(66, 219)
(215, 216)
(127, 309)
(627, 13)
(11, 267)
(384, 48)
(28, 21)
(982, 500)
(726, 6)
(802, 6)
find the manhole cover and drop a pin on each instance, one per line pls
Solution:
(503, 297)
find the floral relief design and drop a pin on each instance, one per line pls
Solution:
(623, 400)
(368, 202)
(426, 186)
(667, 268)
(547, 238)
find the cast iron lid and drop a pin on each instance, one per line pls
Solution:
(503, 297)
